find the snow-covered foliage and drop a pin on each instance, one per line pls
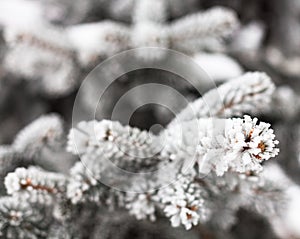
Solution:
(46, 131)
(108, 38)
(42, 53)
(34, 184)
(207, 146)
(250, 92)
(238, 145)
(226, 150)
(213, 158)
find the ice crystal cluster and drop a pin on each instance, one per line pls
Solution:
(212, 166)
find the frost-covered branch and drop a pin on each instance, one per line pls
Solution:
(97, 40)
(208, 163)
(102, 146)
(236, 145)
(229, 151)
(233, 149)
(124, 145)
(227, 147)
(187, 36)
(46, 131)
(184, 34)
(42, 53)
(250, 92)
(57, 50)
(35, 184)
